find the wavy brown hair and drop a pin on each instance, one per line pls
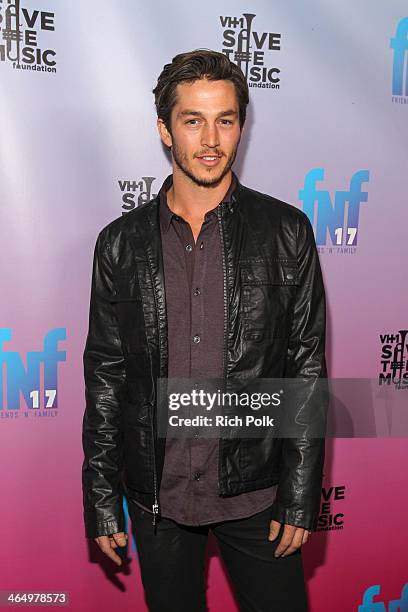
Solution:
(191, 66)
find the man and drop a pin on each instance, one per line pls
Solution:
(210, 279)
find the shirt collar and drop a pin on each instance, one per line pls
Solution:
(166, 214)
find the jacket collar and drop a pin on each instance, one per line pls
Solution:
(166, 214)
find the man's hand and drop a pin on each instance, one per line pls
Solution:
(108, 543)
(292, 538)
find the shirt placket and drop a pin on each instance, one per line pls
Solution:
(196, 263)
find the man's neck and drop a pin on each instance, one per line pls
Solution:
(192, 201)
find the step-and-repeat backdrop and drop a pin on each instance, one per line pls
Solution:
(327, 131)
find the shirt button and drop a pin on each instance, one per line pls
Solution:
(189, 248)
(197, 291)
(196, 339)
(197, 476)
(202, 245)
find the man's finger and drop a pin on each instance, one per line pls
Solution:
(306, 536)
(286, 540)
(109, 552)
(274, 530)
(105, 546)
(118, 539)
(296, 542)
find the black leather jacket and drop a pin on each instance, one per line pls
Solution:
(272, 274)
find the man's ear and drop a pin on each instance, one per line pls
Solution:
(164, 133)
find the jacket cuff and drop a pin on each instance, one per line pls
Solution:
(307, 519)
(94, 529)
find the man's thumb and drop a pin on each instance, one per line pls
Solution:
(274, 530)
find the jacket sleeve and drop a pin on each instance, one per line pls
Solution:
(299, 490)
(104, 375)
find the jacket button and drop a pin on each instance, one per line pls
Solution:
(189, 248)
(197, 291)
(197, 476)
(196, 339)
(289, 276)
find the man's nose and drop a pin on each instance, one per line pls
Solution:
(209, 136)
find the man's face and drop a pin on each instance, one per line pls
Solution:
(205, 130)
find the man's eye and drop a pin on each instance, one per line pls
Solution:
(226, 121)
(192, 121)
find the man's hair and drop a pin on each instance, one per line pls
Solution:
(191, 66)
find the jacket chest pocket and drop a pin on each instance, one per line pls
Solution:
(129, 308)
(269, 289)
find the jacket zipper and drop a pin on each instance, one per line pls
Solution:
(225, 289)
(155, 505)
(225, 320)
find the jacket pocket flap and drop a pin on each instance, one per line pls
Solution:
(269, 272)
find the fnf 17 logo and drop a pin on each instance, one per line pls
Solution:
(332, 217)
(400, 64)
(20, 29)
(251, 50)
(394, 605)
(135, 193)
(25, 380)
(394, 359)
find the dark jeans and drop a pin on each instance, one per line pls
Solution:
(172, 564)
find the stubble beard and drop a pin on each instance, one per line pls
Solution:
(181, 161)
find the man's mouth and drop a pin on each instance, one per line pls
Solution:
(209, 160)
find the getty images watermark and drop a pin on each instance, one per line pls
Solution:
(235, 408)
(214, 401)
(278, 407)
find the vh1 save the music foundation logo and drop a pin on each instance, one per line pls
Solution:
(251, 50)
(394, 359)
(134, 193)
(331, 516)
(21, 34)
